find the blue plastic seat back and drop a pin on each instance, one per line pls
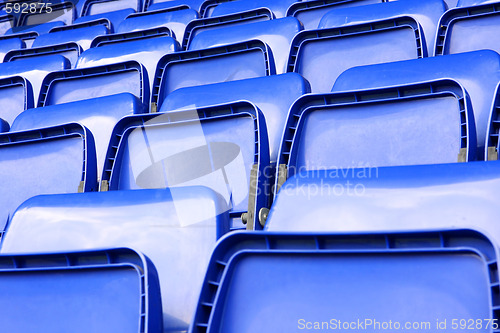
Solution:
(492, 148)
(82, 34)
(4, 126)
(309, 12)
(113, 290)
(160, 223)
(277, 34)
(29, 33)
(229, 22)
(71, 51)
(96, 7)
(216, 147)
(478, 72)
(60, 11)
(322, 55)
(16, 96)
(468, 29)
(85, 83)
(175, 20)
(278, 7)
(219, 64)
(467, 3)
(114, 18)
(310, 276)
(427, 13)
(99, 115)
(34, 69)
(152, 5)
(9, 44)
(6, 22)
(64, 157)
(273, 95)
(426, 123)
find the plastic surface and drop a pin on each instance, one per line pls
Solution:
(277, 34)
(291, 281)
(220, 64)
(114, 18)
(84, 83)
(96, 7)
(83, 36)
(494, 128)
(159, 223)
(61, 12)
(34, 69)
(4, 126)
(310, 12)
(466, 3)
(99, 115)
(278, 7)
(478, 72)
(427, 13)
(6, 22)
(320, 56)
(70, 51)
(469, 29)
(64, 156)
(151, 5)
(9, 44)
(214, 147)
(426, 123)
(113, 290)
(15, 97)
(175, 20)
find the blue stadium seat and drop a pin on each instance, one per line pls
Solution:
(291, 282)
(478, 72)
(309, 12)
(229, 22)
(59, 12)
(277, 7)
(427, 13)
(65, 162)
(277, 34)
(114, 19)
(70, 51)
(4, 126)
(322, 55)
(468, 29)
(34, 70)
(219, 147)
(492, 150)
(29, 33)
(82, 34)
(160, 223)
(219, 64)
(86, 83)
(152, 5)
(145, 47)
(467, 3)
(15, 97)
(9, 44)
(112, 290)
(99, 115)
(427, 123)
(6, 22)
(175, 20)
(95, 7)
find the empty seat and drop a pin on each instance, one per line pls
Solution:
(278, 7)
(320, 281)
(82, 34)
(99, 115)
(219, 64)
(277, 34)
(15, 97)
(95, 7)
(4, 126)
(113, 18)
(85, 83)
(113, 290)
(64, 157)
(28, 34)
(34, 69)
(219, 147)
(175, 20)
(468, 29)
(48, 12)
(492, 149)
(151, 5)
(70, 51)
(466, 3)
(322, 55)
(309, 12)
(160, 223)
(6, 22)
(426, 123)
(8, 44)
(427, 13)
(478, 72)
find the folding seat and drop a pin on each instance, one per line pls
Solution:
(99, 115)
(113, 19)
(309, 12)
(161, 223)
(277, 34)
(427, 13)
(472, 28)
(112, 290)
(323, 281)
(320, 56)
(64, 157)
(82, 34)
(218, 64)
(478, 72)
(8, 44)
(15, 97)
(174, 19)
(86, 83)
(34, 70)
(219, 8)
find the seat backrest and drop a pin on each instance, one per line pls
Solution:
(310, 276)
(117, 288)
(320, 56)
(71, 51)
(472, 28)
(82, 34)
(152, 5)
(277, 34)
(7, 21)
(467, 3)
(114, 19)
(28, 34)
(48, 12)
(160, 223)
(492, 146)
(277, 7)
(16, 96)
(65, 162)
(95, 7)
(9, 44)
(478, 72)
